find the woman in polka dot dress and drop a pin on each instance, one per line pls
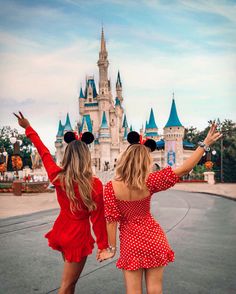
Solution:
(143, 243)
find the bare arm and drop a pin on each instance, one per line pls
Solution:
(212, 136)
(111, 232)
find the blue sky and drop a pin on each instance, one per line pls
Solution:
(187, 47)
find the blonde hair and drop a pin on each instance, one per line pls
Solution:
(77, 169)
(133, 166)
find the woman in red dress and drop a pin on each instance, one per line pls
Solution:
(143, 244)
(80, 196)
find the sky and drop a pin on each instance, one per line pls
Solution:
(185, 47)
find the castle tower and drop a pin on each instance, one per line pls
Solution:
(67, 126)
(173, 136)
(103, 68)
(104, 142)
(81, 102)
(119, 88)
(151, 127)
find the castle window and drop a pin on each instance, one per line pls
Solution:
(90, 99)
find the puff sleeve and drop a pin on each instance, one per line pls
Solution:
(162, 180)
(112, 213)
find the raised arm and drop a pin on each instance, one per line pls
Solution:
(49, 164)
(212, 136)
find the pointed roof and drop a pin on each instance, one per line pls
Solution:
(131, 128)
(125, 124)
(60, 129)
(104, 121)
(68, 126)
(118, 82)
(103, 42)
(86, 123)
(152, 123)
(117, 101)
(81, 94)
(90, 82)
(125, 133)
(173, 120)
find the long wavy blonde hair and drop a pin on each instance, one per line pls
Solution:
(133, 166)
(77, 169)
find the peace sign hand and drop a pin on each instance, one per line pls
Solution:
(213, 135)
(23, 122)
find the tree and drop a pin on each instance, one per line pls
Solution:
(25, 149)
(226, 148)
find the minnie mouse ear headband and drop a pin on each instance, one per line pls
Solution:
(86, 137)
(135, 138)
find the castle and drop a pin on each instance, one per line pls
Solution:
(105, 118)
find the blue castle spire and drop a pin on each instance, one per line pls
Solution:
(81, 94)
(173, 120)
(125, 133)
(125, 124)
(118, 82)
(104, 121)
(68, 126)
(152, 123)
(60, 129)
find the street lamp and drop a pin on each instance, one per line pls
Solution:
(219, 127)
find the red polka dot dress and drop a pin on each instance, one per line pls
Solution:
(143, 243)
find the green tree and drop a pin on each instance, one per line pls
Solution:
(226, 147)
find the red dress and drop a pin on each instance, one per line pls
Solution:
(143, 243)
(71, 233)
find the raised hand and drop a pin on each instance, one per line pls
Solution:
(22, 121)
(212, 136)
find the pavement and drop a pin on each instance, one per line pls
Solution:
(29, 203)
(200, 228)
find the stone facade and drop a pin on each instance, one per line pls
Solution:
(105, 118)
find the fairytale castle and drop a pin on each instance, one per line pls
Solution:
(105, 118)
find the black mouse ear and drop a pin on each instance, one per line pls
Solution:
(69, 137)
(87, 138)
(150, 143)
(133, 137)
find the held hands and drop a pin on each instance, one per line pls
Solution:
(105, 254)
(23, 122)
(212, 136)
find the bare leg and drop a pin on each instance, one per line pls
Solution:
(153, 277)
(71, 273)
(133, 281)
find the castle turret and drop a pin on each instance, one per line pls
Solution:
(81, 101)
(104, 142)
(60, 131)
(151, 127)
(67, 126)
(119, 88)
(103, 68)
(173, 136)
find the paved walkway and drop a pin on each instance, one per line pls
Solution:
(200, 229)
(29, 203)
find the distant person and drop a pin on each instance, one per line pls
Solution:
(143, 244)
(80, 196)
